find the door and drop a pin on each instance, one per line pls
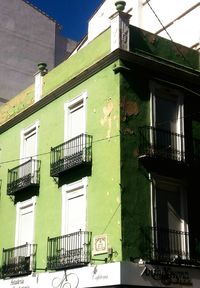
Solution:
(25, 225)
(75, 128)
(168, 124)
(28, 151)
(74, 220)
(25, 229)
(29, 144)
(75, 120)
(74, 210)
(171, 222)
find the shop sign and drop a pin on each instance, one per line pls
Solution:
(167, 275)
(18, 283)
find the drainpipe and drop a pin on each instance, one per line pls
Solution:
(199, 52)
(42, 70)
(120, 27)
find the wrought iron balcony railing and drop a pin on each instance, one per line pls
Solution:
(75, 152)
(71, 250)
(22, 176)
(171, 246)
(162, 144)
(19, 260)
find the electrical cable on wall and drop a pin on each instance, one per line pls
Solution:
(45, 153)
(96, 141)
(175, 45)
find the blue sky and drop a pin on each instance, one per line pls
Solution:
(73, 15)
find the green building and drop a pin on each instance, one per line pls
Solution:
(99, 166)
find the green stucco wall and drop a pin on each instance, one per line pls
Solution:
(135, 185)
(17, 105)
(118, 193)
(104, 189)
(164, 49)
(66, 71)
(102, 123)
(77, 63)
(7, 213)
(104, 182)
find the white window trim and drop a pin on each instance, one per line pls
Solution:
(152, 198)
(19, 206)
(184, 222)
(68, 106)
(170, 182)
(180, 122)
(70, 187)
(23, 135)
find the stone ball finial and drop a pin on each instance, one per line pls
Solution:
(120, 5)
(42, 66)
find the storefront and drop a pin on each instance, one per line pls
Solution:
(111, 274)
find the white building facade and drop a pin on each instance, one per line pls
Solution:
(178, 20)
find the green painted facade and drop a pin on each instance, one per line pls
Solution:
(118, 104)
(135, 184)
(175, 53)
(102, 122)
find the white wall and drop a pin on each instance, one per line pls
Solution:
(185, 31)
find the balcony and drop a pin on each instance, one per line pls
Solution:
(73, 153)
(162, 150)
(19, 260)
(68, 251)
(158, 143)
(23, 176)
(170, 246)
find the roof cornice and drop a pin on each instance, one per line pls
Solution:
(150, 64)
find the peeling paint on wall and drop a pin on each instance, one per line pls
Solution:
(118, 200)
(141, 40)
(130, 108)
(150, 37)
(16, 105)
(107, 117)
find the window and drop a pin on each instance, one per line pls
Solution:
(170, 219)
(29, 139)
(74, 194)
(75, 117)
(167, 121)
(25, 214)
(74, 206)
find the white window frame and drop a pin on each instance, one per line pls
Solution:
(179, 97)
(25, 133)
(180, 119)
(169, 181)
(83, 183)
(69, 105)
(19, 206)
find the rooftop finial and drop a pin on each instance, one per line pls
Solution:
(120, 5)
(42, 67)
